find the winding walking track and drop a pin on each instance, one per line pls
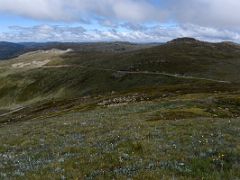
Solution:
(126, 72)
(143, 72)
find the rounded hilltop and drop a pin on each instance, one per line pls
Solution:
(184, 40)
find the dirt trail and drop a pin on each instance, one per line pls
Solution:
(13, 111)
(178, 76)
(144, 72)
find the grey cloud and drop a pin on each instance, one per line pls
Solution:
(74, 10)
(218, 13)
(37, 9)
(134, 26)
(211, 13)
(107, 23)
(214, 13)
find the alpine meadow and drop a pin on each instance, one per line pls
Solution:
(119, 89)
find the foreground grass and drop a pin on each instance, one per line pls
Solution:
(190, 136)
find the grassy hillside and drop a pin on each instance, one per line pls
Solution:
(220, 60)
(159, 112)
(169, 132)
(63, 74)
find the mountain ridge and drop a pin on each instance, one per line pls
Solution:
(104, 68)
(9, 50)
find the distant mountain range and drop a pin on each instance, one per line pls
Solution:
(96, 68)
(9, 50)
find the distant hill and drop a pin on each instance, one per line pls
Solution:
(184, 40)
(10, 50)
(96, 68)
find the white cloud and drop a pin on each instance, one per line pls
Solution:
(142, 34)
(126, 20)
(45, 33)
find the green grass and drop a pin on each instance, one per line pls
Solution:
(90, 123)
(151, 137)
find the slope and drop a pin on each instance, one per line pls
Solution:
(68, 74)
(157, 113)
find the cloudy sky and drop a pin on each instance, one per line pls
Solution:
(119, 20)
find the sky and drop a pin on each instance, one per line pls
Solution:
(119, 20)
